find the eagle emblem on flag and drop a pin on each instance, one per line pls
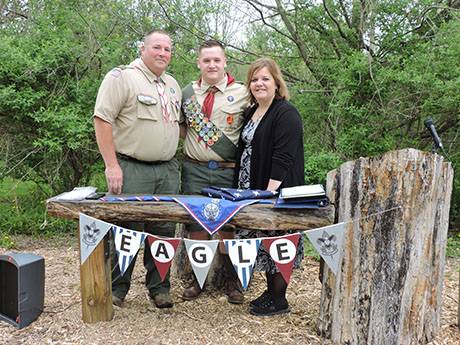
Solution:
(211, 211)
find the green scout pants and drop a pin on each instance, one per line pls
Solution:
(140, 178)
(195, 177)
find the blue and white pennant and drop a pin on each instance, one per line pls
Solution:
(127, 244)
(243, 254)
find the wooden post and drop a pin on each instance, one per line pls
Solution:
(96, 285)
(389, 287)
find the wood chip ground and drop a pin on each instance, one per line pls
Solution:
(208, 320)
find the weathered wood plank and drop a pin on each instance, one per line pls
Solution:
(95, 286)
(262, 217)
(389, 288)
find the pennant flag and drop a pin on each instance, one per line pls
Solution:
(283, 251)
(243, 254)
(92, 231)
(127, 244)
(200, 254)
(328, 243)
(237, 194)
(163, 251)
(212, 214)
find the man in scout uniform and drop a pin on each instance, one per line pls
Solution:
(137, 130)
(212, 116)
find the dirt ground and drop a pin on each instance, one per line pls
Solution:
(208, 320)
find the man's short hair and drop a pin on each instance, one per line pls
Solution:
(210, 44)
(156, 31)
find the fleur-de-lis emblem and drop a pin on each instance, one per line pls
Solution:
(327, 244)
(90, 234)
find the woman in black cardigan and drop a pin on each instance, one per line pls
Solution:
(270, 156)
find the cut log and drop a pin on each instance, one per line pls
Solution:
(389, 287)
(263, 216)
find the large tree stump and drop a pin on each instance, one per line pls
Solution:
(389, 287)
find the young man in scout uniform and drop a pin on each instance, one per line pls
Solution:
(137, 130)
(212, 116)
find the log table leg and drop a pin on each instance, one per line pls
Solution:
(96, 285)
(388, 290)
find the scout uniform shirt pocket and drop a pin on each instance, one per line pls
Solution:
(148, 107)
(232, 118)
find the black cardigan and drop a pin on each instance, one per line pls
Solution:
(277, 147)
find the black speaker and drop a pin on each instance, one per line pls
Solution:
(22, 288)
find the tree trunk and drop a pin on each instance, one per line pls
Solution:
(389, 287)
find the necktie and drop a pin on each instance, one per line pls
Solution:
(208, 102)
(163, 99)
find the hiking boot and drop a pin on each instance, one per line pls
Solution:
(118, 301)
(271, 307)
(192, 292)
(162, 300)
(234, 291)
(260, 300)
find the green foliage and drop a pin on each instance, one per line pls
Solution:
(364, 79)
(22, 211)
(453, 246)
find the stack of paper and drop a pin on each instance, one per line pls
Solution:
(307, 196)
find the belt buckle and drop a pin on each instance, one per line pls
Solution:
(213, 165)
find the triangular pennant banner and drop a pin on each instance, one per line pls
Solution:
(200, 255)
(283, 251)
(163, 251)
(212, 214)
(328, 243)
(243, 254)
(92, 231)
(127, 244)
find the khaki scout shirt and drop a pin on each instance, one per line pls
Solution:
(128, 99)
(227, 114)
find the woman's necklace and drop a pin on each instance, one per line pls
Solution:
(258, 114)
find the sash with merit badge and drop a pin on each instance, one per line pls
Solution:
(206, 130)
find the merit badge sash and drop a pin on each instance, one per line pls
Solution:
(207, 131)
(212, 214)
(236, 194)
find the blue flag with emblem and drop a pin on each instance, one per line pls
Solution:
(237, 194)
(212, 214)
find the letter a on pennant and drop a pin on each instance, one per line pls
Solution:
(283, 251)
(163, 251)
(200, 254)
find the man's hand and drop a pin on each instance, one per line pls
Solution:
(114, 178)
